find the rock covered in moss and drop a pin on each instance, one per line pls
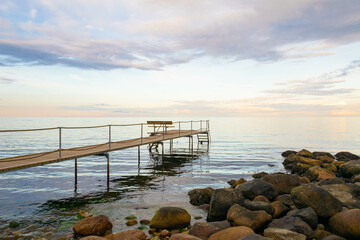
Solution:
(305, 153)
(317, 173)
(170, 218)
(350, 168)
(346, 156)
(323, 203)
(97, 226)
(240, 216)
(346, 224)
(318, 155)
(221, 200)
(200, 196)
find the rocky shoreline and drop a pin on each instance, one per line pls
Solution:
(318, 199)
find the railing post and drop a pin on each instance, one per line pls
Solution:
(142, 133)
(109, 136)
(60, 143)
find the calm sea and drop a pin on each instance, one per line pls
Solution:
(239, 147)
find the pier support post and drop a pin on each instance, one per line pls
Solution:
(138, 156)
(75, 190)
(162, 149)
(108, 171)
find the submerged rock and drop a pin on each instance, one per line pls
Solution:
(170, 218)
(221, 200)
(283, 234)
(200, 196)
(97, 226)
(240, 216)
(346, 224)
(256, 187)
(323, 203)
(232, 233)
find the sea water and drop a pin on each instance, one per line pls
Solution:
(48, 195)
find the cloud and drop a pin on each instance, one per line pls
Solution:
(6, 80)
(324, 85)
(154, 34)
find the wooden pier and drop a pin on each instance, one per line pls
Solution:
(159, 133)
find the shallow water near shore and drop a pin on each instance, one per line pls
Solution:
(46, 197)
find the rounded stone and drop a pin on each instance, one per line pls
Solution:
(170, 218)
(97, 226)
(232, 233)
(346, 224)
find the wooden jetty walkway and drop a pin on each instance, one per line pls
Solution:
(159, 133)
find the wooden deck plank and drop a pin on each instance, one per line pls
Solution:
(26, 161)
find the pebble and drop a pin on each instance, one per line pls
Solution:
(164, 233)
(131, 222)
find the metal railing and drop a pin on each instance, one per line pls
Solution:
(203, 124)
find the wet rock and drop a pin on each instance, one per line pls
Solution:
(240, 216)
(256, 187)
(355, 178)
(350, 168)
(283, 234)
(232, 233)
(322, 154)
(283, 183)
(200, 196)
(333, 237)
(131, 217)
(253, 237)
(261, 198)
(257, 206)
(259, 175)
(280, 209)
(93, 226)
(325, 159)
(300, 168)
(285, 199)
(144, 222)
(317, 173)
(287, 153)
(346, 156)
(170, 218)
(93, 238)
(221, 200)
(131, 222)
(164, 233)
(346, 224)
(295, 224)
(135, 234)
(306, 214)
(330, 181)
(234, 183)
(320, 234)
(183, 236)
(305, 153)
(323, 203)
(344, 193)
(204, 230)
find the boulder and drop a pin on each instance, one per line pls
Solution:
(93, 226)
(283, 234)
(93, 238)
(200, 196)
(320, 234)
(234, 183)
(261, 198)
(285, 199)
(240, 216)
(287, 153)
(355, 178)
(183, 236)
(253, 237)
(170, 218)
(346, 224)
(134, 234)
(259, 175)
(295, 224)
(317, 173)
(322, 154)
(256, 187)
(280, 209)
(221, 200)
(232, 233)
(305, 153)
(350, 168)
(300, 168)
(330, 181)
(204, 230)
(221, 224)
(283, 183)
(338, 163)
(325, 159)
(258, 205)
(333, 237)
(346, 156)
(306, 214)
(344, 193)
(323, 203)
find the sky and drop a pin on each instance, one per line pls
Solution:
(219, 58)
